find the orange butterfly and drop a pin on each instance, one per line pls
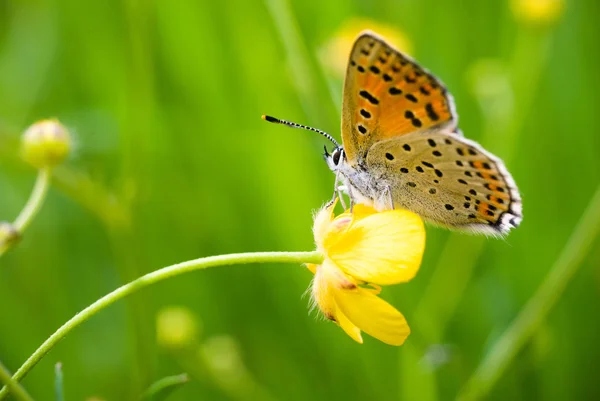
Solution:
(402, 148)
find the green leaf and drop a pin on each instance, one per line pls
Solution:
(162, 388)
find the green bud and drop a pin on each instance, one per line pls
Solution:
(46, 143)
(8, 234)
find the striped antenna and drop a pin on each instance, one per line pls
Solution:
(296, 125)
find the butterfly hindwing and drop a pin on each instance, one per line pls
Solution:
(387, 94)
(448, 180)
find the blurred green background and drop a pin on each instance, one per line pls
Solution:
(173, 162)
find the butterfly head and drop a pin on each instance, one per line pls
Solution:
(335, 158)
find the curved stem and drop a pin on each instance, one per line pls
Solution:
(15, 388)
(35, 201)
(33, 205)
(164, 386)
(537, 308)
(151, 278)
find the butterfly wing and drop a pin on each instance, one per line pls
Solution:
(386, 95)
(448, 180)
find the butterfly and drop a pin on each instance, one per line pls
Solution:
(401, 147)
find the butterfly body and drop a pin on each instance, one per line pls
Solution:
(402, 149)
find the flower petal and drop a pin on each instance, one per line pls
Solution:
(372, 315)
(322, 295)
(382, 248)
(326, 277)
(361, 211)
(348, 326)
(335, 231)
(321, 224)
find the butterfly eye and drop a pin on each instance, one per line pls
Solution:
(337, 153)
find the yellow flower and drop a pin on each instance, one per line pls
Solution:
(176, 327)
(538, 11)
(362, 250)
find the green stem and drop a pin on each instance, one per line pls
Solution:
(33, 205)
(164, 386)
(35, 201)
(151, 278)
(13, 386)
(59, 390)
(535, 312)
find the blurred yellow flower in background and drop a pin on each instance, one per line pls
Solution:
(538, 11)
(176, 327)
(335, 52)
(365, 249)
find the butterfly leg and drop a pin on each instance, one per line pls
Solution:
(337, 190)
(389, 193)
(331, 202)
(349, 190)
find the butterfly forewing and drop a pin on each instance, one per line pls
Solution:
(387, 94)
(448, 180)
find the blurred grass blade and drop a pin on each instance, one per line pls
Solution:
(299, 60)
(536, 310)
(422, 384)
(162, 388)
(58, 382)
(14, 387)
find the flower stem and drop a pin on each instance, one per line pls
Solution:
(35, 201)
(33, 205)
(151, 278)
(533, 314)
(13, 386)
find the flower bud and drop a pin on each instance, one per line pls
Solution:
(176, 327)
(8, 234)
(224, 359)
(46, 143)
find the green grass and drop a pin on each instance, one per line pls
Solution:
(174, 163)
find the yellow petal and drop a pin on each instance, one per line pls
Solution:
(374, 288)
(372, 315)
(348, 326)
(335, 231)
(326, 277)
(361, 211)
(322, 295)
(321, 223)
(312, 267)
(382, 248)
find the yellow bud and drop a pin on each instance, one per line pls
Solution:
(8, 234)
(176, 327)
(538, 11)
(223, 356)
(46, 143)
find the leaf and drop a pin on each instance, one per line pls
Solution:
(162, 388)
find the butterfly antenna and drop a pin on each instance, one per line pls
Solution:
(296, 125)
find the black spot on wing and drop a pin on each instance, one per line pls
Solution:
(372, 99)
